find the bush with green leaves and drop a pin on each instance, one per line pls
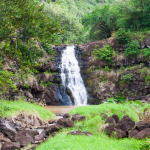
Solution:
(132, 49)
(5, 82)
(105, 53)
(147, 79)
(116, 100)
(146, 53)
(107, 69)
(122, 37)
(126, 78)
(23, 26)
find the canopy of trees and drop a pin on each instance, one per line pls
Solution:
(24, 27)
(132, 15)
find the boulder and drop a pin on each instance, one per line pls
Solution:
(119, 134)
(50, 96)
(51, 129)
(8, 128)
(10, 146)
(115, 117)
(65, 122)
(125, 124)
(142, 125)
(110, 120)
(39, 137)
(23, 139)
(5, 139)
(143, 134)
(109, 129)
(29, 133)
(77, 117)
(133, 133)
(66, 115)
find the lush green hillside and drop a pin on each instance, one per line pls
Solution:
(69, 13)
(86, 20)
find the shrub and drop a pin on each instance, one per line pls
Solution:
(122, 37)
(5, 82)
(132, 49)
(147, 79)
(105, 53)
(126, 78)
(107, 69)
(146, 53)
(115, 100)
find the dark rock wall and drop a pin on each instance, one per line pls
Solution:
(102, 83)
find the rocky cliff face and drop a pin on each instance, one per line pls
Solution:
(125, 77)
(43, 86)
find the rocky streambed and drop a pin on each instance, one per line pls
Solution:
(28, 132)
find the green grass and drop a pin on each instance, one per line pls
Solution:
(93, 124)
(130, 109)
(70, 142)
(16, 107)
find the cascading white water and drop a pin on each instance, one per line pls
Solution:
(71, 77)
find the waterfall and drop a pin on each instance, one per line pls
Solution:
(71, 77)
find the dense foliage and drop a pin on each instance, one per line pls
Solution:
(69, 13)
(105, 53)
(131, 15)
(23, 25)
(26, 33)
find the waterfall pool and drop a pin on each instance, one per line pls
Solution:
(58, 110)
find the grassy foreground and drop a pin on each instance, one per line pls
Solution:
(93, 123)
(14, 108)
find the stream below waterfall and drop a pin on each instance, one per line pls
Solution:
(59, 110)
(71, 77)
